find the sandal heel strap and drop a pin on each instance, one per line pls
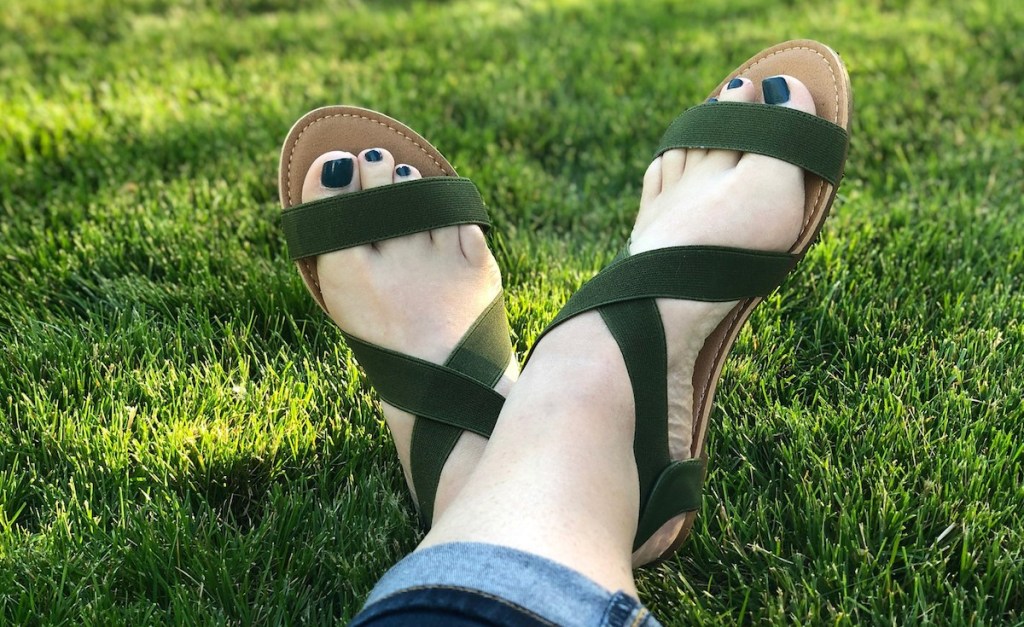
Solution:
(676, 491)
(483, 354)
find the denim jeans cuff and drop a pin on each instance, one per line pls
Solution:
(544, 587)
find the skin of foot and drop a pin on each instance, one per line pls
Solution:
(417, 294)
(559, 475)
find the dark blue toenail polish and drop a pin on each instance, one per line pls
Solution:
(373, 156)
(337, 173)
(734, 83)
(712, 99)
(403, 170)
(775, 90)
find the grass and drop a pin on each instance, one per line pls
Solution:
(185, 439)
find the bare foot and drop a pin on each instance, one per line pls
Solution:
(417, 294)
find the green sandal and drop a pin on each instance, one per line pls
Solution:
(446, 399)
(624, 293)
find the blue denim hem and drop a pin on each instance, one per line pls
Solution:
(436, 606)
(542, 587)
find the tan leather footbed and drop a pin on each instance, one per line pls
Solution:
(350, 129)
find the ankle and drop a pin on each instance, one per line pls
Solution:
(583, 342)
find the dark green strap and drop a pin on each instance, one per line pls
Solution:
(637, 329)
(446, 400)
(372, 215)
(485, 350)
(704, 273)
(482, 354)
(428, 390)
(803, 139)
(667, 488)
(677, 490)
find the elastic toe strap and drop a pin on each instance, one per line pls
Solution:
(803, 139)
(380, 213)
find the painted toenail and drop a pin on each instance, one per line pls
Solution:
(775, 90)
(712, 99)
(373, 156)
(403, 170)
(734, 83)
(337, 173)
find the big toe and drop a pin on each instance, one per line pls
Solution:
(780, 91)
(787, 91)
(332, 173)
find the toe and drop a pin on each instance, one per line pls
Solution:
(672, 164)
(652, 183)
(375, 167)
(781, 91)
(473, 244)
(651, 190)
(406, 172)
(787, 91)
(399, 174)
(332, 173)
(781, 196)
(739, 89)
(446, 239)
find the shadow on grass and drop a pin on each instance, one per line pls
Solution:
(192, 145)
